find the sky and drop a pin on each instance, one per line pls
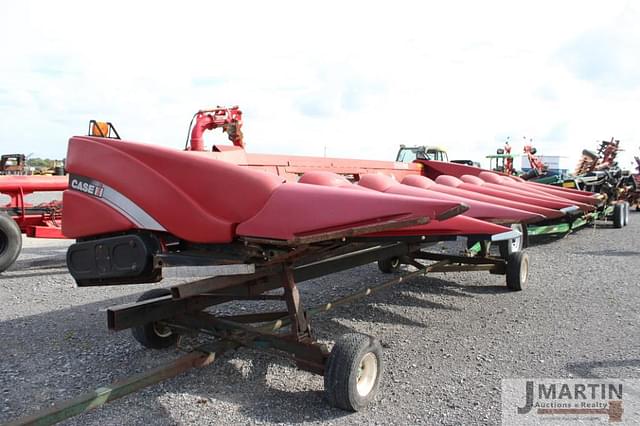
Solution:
(356, 79)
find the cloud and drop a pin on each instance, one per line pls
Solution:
(607, 55)
(315, 105)
(360, 82)
(604, 57)
(558, 133)
(547, 92)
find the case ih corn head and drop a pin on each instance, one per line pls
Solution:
(269, 223)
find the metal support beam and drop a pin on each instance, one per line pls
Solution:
(299, 326)
(129, 315)
(309, 354)
(351, 260)
(209, 285)
(189, 297)
(466, 268)
(464, 260)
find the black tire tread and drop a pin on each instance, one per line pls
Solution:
(514, 262)
(504, 248)
(343, 362)
(13, 236)
(145, 334)
(618, 215)
(386, 265)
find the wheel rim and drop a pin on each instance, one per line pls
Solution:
(395, 262)
(367, 374)
(161, 330)
(516, 243)
(524, 270)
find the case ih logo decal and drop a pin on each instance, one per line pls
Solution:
(86, 185)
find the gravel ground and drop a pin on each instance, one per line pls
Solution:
(448, 339)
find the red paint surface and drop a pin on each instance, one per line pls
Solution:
(85, 215)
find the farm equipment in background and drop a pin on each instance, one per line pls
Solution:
(538, 169)
(21, 217)
(595, 172)
(502, 162)
(56, 169)
(600, 172)
(407, 154)
(17, 164)
(634, 199)
(13, 164)
(602, 160)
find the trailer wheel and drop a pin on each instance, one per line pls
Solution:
(153, 335)
(517, 270)
(618, 215)
(10, 241)
(353, 371)
(390, 265)
(515, 244)
(627, 207)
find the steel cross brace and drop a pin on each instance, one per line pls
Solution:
(308, 354)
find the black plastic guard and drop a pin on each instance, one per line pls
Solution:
(124, 259)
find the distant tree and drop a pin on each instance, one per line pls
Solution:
(36, 162)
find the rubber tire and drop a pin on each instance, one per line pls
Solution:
(618, 215)
(10, 241)
(389, 266)
(341, 371)
(627, 207)
(505, 247)
(146, 334)
(516, 276)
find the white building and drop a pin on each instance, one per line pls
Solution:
(557, 164)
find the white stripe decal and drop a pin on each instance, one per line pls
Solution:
(113, 198)
(130, 209)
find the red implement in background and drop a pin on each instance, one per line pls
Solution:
(19, 217)
(38, 221)
(228, 119)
